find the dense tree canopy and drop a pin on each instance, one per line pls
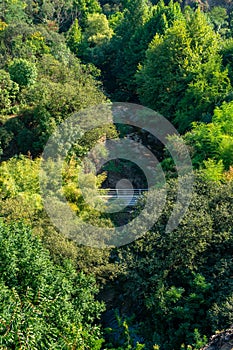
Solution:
(178, 282)
(166, 290)
(182, 76)
(43, 306)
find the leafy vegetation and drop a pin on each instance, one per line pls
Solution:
(166, 290)
(43, 305)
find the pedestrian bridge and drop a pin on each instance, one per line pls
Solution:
(124, 196)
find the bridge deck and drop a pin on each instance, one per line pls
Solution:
(128, 196)
(122, 192)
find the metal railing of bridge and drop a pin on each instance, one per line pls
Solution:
(127, 196)
(122, 192)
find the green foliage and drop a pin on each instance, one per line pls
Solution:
(97, 29)
(74, 37)
(30, 42)
(122, 335)
(153, 20)
(199, 340)
(218, 17)
(178, 284)
(97, 33)
(23, 72)
(36, 43)
(59, 91)
(172, 280)
(13, 11)
(115, 19)
(20, 199)
(19, 176)
(204, 140)
(115, 57)
(56, 14)
(213, 140)
(61, 14)
(8, 93)
(3, 25)
(212, 171)
(182, 72)
(43, 305)
(87, 7)
(14, 43)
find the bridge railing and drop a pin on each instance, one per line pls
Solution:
(122, 192)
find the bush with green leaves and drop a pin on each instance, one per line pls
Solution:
(8, 93)
(43, 306)
(213, 140)
(19, 175)
(23, 72)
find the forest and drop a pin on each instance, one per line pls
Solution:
(164, 290)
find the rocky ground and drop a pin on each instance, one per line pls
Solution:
(221, 341)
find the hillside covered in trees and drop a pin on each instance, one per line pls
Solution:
(165, 290)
